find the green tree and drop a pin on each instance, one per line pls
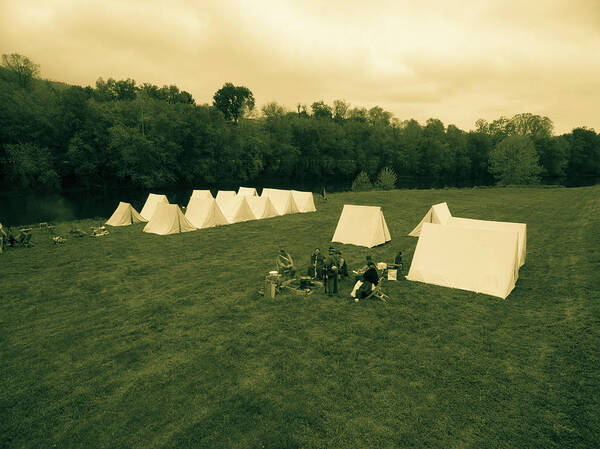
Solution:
(233, 101)
(515, 161)
(340, 110)
(584, 162)
(386, 179)
(273, 110)
(553, 153)
(377, 116)
(321, 110)
(30, 167)
(362, 182)
(20, 68)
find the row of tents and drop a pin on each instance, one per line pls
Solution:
(477, 255)
(204, 211)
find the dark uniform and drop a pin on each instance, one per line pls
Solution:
(331, 274)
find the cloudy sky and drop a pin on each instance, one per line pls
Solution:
(453, 60)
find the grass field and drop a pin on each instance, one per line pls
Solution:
(135, 340)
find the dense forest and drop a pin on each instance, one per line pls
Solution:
(121, 134)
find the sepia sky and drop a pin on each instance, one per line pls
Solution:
(453, 60)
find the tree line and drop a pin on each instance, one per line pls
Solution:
(120, 134)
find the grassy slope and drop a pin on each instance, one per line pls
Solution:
(137, 340)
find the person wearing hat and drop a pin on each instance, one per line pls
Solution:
(331, 273)
(316, 264)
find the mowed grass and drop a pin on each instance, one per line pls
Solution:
(135, 340)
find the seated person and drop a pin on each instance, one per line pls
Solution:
(285, 263)
(316, 264)
(12, 239)
(24, 237)
(360, 271)
(371, 275)
(367, 284)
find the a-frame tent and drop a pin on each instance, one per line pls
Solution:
(304, 201)
(440, 214)
(283, 200)
(124, 215)
(247, 191)
(205, 213)
(168, 219)
(474, 259)
(237, 209)
(225, 195)
(361, 226)
(150, 205)
(201, 194)
(262, 207)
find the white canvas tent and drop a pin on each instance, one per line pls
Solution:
(361, 226)
(440, 214)
(304, 201)
(205, 213)
(150, 205)
(168, 219)
(225, 195)
(200, 195)
(247, 191)
(474, 259)
(283, 200)
(236, 209)
(204, 194)
(262, 207)
(125, 215)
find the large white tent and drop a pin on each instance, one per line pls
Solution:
(440, 214)
(205, 213)
(236, 209)
(150, 205)
(474, 259)
(168, 219)
(247, 191)
(124, 215)
(283, 200)
(262, 207)
(304, 201)
(361, 226)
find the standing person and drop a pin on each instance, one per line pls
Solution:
(398, 262)
(3, 238)
(331, 273)
(343, 266)
(316, 264)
